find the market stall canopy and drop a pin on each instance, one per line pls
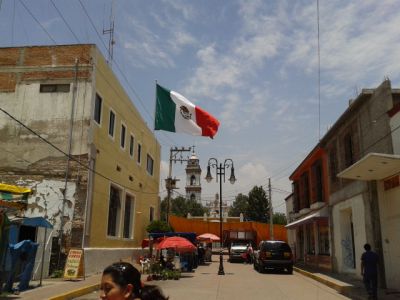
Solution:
(208, 237)
(12, 196)
(180, 244)
(191, 236)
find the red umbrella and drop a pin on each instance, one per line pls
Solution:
(180, 244)
(209, 237)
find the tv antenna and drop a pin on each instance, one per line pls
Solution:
(110, 32)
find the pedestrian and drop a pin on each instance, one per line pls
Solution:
(122, 281)
(249, 253)
(369, 271)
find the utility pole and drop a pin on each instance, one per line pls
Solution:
(271, 223)
(175, 155)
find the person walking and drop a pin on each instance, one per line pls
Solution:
(369, 271)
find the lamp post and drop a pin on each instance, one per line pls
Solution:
(228, 163)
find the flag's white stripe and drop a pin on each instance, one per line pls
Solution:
(181, 124)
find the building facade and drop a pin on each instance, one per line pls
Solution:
(362, 167)
(310, 211)
(73, 134)
(379, 171)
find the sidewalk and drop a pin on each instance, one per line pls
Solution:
(59, 289)
(345, 284)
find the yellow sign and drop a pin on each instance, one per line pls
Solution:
(74, 266)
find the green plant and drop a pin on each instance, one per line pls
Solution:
(155, 268)
(158, 226)
(57, 274)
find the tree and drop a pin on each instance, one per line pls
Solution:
(240, 205)
(258, 206)
(181, 206)
(279, 218)
(158, 226)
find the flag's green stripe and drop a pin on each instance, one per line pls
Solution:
(165, 110)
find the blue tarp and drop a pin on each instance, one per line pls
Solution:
(22, 254)
(37, 222)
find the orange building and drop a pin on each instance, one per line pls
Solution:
(310, 210)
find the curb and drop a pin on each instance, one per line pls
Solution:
(342, 289)
(76, 293)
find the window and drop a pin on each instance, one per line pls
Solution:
(128, 216)
(323, 239)
(318, 183)
(131, 145)
(193, 197)
(151, 214)
(150, 163)
(54, 88)
(348, 150)
(123, 133)
(111, 125)
(193, 180)
(97, 109)
(333, 165)
(296, 197)
(139, 153)
(114, 211)
(306, 190)
(310, 238)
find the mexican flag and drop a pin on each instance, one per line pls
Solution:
(175, 113)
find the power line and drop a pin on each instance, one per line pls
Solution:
(65, 22)
(37, 21)
(69, 156)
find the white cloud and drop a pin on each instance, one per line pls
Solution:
(355, 42)
(250, 174)
(182, 7)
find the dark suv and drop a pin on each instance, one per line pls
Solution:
(273, 255)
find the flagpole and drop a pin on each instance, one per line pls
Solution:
(155, 107)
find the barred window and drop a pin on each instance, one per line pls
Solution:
(114, 211)
(128, 217)
(150, 164)
(54, 88)
(97, 109)
(123, 133)
(111, 125)
(131, 145)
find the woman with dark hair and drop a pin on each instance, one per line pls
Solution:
(121, 281)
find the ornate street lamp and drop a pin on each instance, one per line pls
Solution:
(228, 163)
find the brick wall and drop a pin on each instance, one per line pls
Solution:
(42, 63)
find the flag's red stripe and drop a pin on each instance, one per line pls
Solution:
(207, 122)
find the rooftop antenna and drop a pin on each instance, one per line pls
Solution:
(110, 32)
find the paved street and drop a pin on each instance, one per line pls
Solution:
(240, 282)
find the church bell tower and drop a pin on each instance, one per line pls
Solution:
(193, 173)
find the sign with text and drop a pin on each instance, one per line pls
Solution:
(74, 266)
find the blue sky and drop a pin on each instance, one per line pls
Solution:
(252, 64)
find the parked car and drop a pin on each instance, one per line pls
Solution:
(237, 252)
(273, 255)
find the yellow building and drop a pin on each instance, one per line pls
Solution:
(72, 103)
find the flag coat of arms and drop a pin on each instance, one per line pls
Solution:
(175, 113)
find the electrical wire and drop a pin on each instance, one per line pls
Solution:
(37, 21)
(69, 156)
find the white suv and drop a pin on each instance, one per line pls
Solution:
(237, 252)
